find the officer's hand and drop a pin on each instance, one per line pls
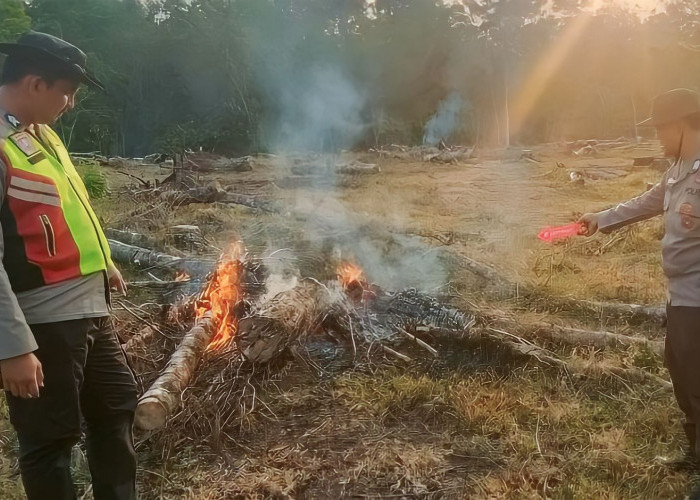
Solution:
(589, 224)
(22, 375)
(116, 281)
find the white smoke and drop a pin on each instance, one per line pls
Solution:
(320, 112)
(284, 274)
(319, 106)
(444, 122)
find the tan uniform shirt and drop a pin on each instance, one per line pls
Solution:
(677, 197)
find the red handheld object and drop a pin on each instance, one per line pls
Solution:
(551, 234)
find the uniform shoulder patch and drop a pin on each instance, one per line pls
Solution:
(25, 143)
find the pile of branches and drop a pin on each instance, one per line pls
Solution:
(200, 392)
(269, 328)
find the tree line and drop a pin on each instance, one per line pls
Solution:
(237, 76)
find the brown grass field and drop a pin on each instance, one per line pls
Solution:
(476, 422)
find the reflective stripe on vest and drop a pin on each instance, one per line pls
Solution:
(50, 231)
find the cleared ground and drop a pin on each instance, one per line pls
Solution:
(474, 423)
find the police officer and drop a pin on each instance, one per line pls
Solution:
(676, 116)
(61, 363)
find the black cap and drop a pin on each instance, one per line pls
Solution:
(673, 106)
(34, 43)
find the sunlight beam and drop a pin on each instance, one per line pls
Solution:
(537, 81)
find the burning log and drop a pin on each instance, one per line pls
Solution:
(281, 321)
(163, 397)
(214, 327)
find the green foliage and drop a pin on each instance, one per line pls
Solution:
(13, 20)
(94, 179)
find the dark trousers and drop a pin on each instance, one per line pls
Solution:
(89, 386)
(682, 358)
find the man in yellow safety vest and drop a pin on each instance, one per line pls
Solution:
(61, 363)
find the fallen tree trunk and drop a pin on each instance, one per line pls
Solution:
(449, 156)
(523, 347)
(508, 288)
(215, 194)
(254, 274)
(146, 258)
(358, 168)
(159, 285)
(656, 313)
(281, 321)
(637, 375)
(163, 397)
(130, 237)
(599, 339)
(328, 171)
(492, 276)
(207, 162)
(251, 202)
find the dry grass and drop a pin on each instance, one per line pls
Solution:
(471, 424)
(10, 485)
(526, 434)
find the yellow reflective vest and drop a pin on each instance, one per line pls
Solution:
(50, 231)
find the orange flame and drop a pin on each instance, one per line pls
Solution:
(221, 296)
(350, 274)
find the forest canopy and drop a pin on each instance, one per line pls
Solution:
(236, 76)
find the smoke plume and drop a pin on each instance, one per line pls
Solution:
(444, 122)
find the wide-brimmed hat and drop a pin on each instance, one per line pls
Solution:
(33, 44)
(673, 106)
